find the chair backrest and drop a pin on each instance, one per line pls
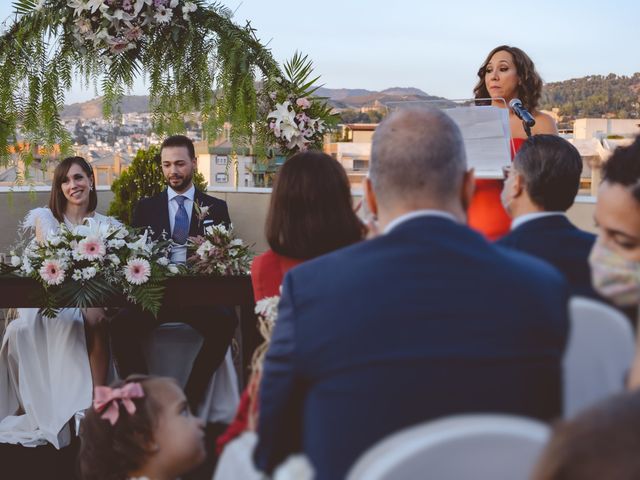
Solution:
(598, 356)
(461, 447)
(171, 349)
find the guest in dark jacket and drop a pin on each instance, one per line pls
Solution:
(540, 187)
(426, 320)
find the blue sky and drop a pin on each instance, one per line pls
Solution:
(438, 46)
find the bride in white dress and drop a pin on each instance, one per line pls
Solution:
(48, 366)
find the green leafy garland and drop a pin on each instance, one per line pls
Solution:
(208, 65)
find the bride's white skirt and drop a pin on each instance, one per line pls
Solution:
(44, 377)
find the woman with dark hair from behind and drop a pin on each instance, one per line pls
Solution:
(601, 443)
(506, 73)
(311, 213)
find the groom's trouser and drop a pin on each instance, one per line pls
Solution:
(130, 326)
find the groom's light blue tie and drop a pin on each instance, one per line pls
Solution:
(181, 223)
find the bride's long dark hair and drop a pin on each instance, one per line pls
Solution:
(57, 200)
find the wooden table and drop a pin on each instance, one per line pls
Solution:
(180, 292)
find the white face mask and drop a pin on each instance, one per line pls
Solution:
(614, 277)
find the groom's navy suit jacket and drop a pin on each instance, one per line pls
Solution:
(425, 321)
(557, 241)
(154, 212)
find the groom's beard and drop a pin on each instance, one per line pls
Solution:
(178, 183)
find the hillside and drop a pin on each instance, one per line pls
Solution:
(93, 108)
(594, 96)
(343, 98)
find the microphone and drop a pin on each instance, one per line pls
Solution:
(521, 112)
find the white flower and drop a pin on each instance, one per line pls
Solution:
(113, 259)
(163, 15)
(53, 239)
(77, 275)
(26, 265)
(268, 308)
(88, 273)
(174, 3)
(188, 8)
(137, 271)
(116, 243)
(236, 242)
(79, 6)
(15, 261)
(139, 4)
(173, 269)
(140, 245)
(205, 248)
(94, 5)
(282, 113)
(164, 261)
(121, 233)
(118, 15)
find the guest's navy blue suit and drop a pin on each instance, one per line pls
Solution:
(425, 321)
(557, 241)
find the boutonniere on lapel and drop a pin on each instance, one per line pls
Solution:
(201, 211)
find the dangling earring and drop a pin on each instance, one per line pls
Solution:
(91, 188)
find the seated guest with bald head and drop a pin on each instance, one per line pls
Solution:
(427, 319)
(541, 186)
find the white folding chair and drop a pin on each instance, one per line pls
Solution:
(598, 356)
(171, 350)
(460, 447)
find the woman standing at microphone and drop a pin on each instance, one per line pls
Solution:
(507, 73)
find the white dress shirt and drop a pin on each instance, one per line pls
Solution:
(527, 217)
(418, 213)
(179, 252)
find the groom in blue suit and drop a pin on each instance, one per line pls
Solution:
(426, 320)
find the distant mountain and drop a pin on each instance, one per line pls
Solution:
(594, 96)
(341, 93)
(405, 91)
(93, 108)
(343, 98)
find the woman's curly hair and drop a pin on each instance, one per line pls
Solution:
(110, 452)
(530, 85)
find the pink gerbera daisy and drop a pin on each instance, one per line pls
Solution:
(91, 248)
(137, 271)
(52, 272)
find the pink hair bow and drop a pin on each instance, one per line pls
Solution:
(106, 399)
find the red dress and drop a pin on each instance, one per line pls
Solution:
(267, 273)
(486, 213)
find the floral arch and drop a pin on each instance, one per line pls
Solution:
(194, 57)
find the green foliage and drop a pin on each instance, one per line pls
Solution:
(355, 116)
(209, 66)
(143, 178)
(594, 96)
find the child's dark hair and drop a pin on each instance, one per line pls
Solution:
(110, 452)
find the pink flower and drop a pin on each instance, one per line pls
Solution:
(91, 248)
(52, 272)
(303, 102)
(137, 271)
